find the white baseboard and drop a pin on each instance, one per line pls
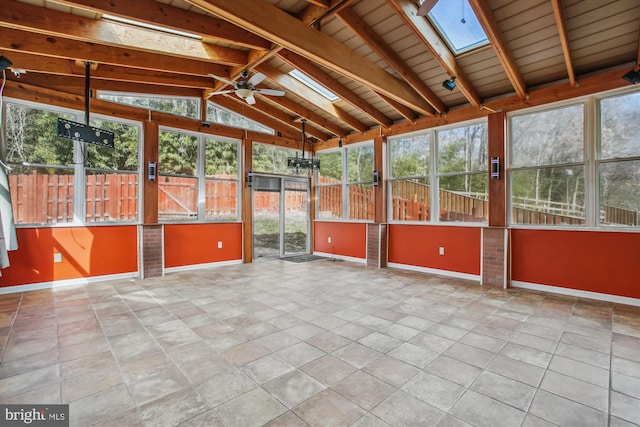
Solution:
(458, 275)
(200, 266)
(342, 257)
(576, 293)
(68, 282)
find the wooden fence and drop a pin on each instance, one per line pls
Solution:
(42, 198)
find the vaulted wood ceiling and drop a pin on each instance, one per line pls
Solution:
(385, 63)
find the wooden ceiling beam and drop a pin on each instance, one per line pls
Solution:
(51, 22)
(312, 117)
(164, 15)
(242, 108)
(330, 83)
(276, 25)
(107, 72)
(288, 83)
(558, 14)
(487, 19)
(320, 3)
(59, 47)
(313, 15)
(405, 112)
(408, 11)
(388, 55)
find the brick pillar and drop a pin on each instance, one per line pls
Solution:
(377, 245)
(495, 257)
(151, 252)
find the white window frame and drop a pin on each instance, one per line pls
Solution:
(342, 189)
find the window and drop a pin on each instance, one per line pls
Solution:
(330, 185)
(43, 169)
(218, 114)
(360, 181)
(458, 25)
(112, 175)
(149, 26)
(312, 84)
(619, 160)
(187, 107)
(198, 177)
(444, 167)
(547, 167)
(462, 173)
(268, 158)
(409, 178)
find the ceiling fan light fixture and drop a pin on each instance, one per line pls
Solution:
(449, 84)
(243, 93)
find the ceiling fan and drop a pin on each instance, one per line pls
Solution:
(245, 89)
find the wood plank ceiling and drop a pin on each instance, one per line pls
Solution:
(385, 63)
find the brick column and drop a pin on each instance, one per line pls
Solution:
(151, 252)
(377, 245)
(495, 257)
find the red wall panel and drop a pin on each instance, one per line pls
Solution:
(419, 245)
(347, 238)
(86, 252)
(604, 262)
(189, 244)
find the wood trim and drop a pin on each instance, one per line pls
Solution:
(150, 189)
(379, 192)
(247, 201)
(497, 187)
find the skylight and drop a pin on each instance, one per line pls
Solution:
(303, 78)
(456, 22)
(150, 26)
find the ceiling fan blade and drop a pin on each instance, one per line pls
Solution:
(256, 79)
(426, 7)
(270, 92)
(250, 100)
(223, 80)
(221, 92)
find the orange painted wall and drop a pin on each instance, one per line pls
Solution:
(604, 262)
(347, 238)
(189, 244)
(86, 252)
(419, 244)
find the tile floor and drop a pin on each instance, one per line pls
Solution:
(321, 344)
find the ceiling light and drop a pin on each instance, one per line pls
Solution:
(243, 93)
(632, 77)
(449, 84)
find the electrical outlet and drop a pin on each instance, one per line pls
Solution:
(57, 257)
(220, 245)
(441, 250)
(329, 239)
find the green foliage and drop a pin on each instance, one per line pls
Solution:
(360, 163)
(269, 158)
(125, 154)
(218, 114)
(462, 149)
(331, 165)
(187, 107)
(221, 157)
(178, 153)
(410, 156)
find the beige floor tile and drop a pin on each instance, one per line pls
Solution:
(225, 386)
(328, 369)
(357, 355)
(152, 387)
(267, 368)
(454, 370)
(402, 409)
(565, 412)
(576, 390)
(288, 419)
(581, 371)
(483, 411)
(84, 385)
(625, 407)
(252, 409)
(174, 408)
(329, 408)
(505, 390)
(328, 341)
(363, 389)
(434, 390)
(294, 388)
(391, 370)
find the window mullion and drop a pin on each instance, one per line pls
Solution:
(433, 179)
(79, 182)
(202, 185)
(592, 187)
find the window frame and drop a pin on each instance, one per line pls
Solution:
(341, 185)
(201, 177)
(198, 101)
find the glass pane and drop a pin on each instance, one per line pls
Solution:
(41, 196)
(329, 201)
(548, 138)
(111, 196)
(221, 199)
(464, 198)
(361, 201)
(411, 199)
(218, 114)
(188, 107)
(548, 196)
(32, 136)
(266, 224)
(269, 158)
(178, 153)
(330, 167)
(458, 25)
(124, 156)
(620, 193)
(177, 198)
(410, 156)
(620, 126)
(360, 163)
(295, 217)
(462, 149)
(221, 159)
